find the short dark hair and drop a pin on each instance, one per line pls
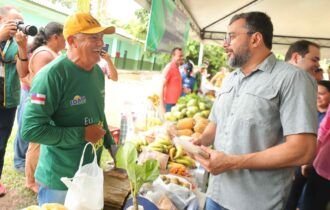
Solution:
(300, 47)
(325, 83)
(257, 22)
(175, 49)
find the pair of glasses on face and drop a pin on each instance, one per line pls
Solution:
(230, 36)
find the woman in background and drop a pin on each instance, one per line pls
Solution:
(45, 48)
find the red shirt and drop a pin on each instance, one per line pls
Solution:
(173, 86)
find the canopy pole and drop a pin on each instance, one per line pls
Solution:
(201, 53)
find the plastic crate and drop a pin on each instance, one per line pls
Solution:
(115, 132)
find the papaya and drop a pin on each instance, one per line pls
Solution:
(185, 123)
(184, 132)
(196, 135)
(200, 126)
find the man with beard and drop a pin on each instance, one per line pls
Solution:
(262, 124)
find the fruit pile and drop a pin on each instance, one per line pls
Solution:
(193, 127)
(163, 143)
(191, 105)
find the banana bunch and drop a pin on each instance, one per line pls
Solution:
(187, 161)
(178, 156)
(140, 143)
(155, 100)
(162, 145)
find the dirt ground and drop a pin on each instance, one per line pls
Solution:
(131, 89)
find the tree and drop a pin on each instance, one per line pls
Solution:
(215, 55)
(138, 27)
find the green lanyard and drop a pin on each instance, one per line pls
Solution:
(3, 53)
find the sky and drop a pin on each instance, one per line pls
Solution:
(122, 9)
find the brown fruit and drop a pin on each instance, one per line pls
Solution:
(185, 132)
(186, 123)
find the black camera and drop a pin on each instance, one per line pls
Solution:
(27, 29)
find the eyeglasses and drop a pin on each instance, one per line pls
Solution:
(230, 36)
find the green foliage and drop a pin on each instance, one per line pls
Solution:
(280, 57)
(192, 50)
(215, 55)
(138, 174)
(138, 27)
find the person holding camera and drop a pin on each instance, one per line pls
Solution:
(45, 47)
(13, 66)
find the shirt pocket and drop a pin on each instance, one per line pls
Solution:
(261, 105)
(223, 102)
(224, 91)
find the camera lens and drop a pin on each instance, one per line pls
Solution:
(27, 29)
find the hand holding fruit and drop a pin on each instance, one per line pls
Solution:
(93, 133)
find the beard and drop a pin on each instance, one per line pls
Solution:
(240, 58)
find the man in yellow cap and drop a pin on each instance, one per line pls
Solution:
(66, 109)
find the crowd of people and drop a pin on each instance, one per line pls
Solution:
(269, 125)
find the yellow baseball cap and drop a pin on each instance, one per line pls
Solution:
(82, 22)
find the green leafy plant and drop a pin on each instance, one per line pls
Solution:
(138, 174)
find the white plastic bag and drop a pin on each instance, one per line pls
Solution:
(179, 195)
(85, 189)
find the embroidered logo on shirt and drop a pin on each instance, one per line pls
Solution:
(78, 100)
(37, 98)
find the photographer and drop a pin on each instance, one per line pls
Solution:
(13, 65)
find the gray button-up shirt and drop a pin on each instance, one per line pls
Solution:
(253, 113)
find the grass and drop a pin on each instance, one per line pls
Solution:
(18, 196)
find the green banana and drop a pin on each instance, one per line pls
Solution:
(187, 161)
(156, 148)
(172, 153)
(179, 152)
(166, 142)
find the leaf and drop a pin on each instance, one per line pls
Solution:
(147, 172)
(138, 174)
(126, 156)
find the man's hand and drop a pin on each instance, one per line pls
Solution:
(218, 162)
(93, 133)
(197, 141)
(7, 30)
(21, 40)
(105, 56)
(306, 170)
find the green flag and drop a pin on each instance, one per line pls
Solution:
(168, 27)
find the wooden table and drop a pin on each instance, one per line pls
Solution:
(116, 191)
